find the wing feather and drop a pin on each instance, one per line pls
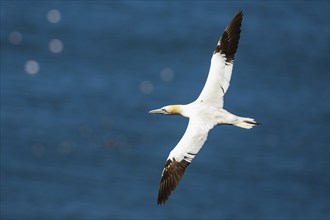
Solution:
(172, 174)
(216, 85)
(180, 157)
(222, 61)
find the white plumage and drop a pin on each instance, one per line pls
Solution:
(205, 112)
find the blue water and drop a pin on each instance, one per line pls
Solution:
(77, 141)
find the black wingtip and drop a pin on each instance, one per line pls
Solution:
(172, 174)
(240, 11)
(230, 38)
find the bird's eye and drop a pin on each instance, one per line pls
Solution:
(164, 110)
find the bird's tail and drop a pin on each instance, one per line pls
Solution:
(246, 123)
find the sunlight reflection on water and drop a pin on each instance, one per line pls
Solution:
(76, 137)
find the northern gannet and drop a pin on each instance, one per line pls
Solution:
(205, 112)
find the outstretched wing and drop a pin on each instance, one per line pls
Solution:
(222, 62)
(181, 156)
(172, 174)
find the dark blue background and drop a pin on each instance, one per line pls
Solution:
(77, 141)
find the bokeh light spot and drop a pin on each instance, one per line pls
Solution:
(15, 37)
(56, 46)
(146, 87)
(167, 74)
(32, 67)
(66, 147)
(110, 143)
(54, 16)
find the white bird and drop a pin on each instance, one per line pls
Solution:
(205, 112)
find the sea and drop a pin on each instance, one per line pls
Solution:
(78, 79)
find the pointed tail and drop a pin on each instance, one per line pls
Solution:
(246, 123)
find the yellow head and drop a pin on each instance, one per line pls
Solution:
(168, 110)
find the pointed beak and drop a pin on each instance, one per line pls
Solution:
(156, 111)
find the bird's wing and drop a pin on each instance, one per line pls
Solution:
(181, 156)
(222, 61)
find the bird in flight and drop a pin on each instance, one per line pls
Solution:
(205, 112)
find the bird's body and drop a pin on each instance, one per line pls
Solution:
(205, 112)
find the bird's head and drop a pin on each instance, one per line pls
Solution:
(168, 110)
